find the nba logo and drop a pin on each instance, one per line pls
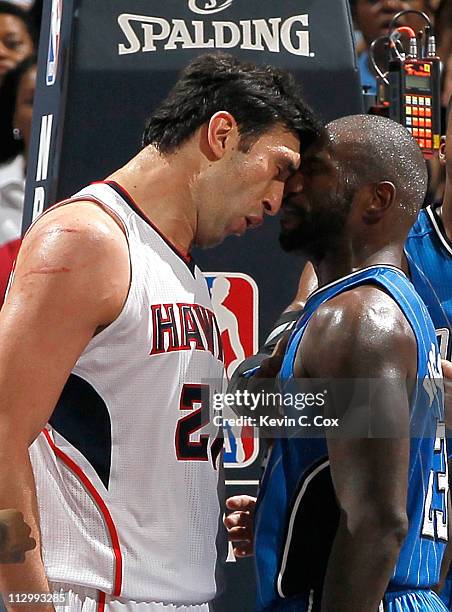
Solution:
(54, 41)
(235, 303)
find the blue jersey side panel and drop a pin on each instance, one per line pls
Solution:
(297, 514)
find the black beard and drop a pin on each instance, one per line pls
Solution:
(318, 230)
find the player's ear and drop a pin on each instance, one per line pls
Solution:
(222, 129)
(381, 198)
(442, 151)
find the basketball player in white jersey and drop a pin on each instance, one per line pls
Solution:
(108, 341)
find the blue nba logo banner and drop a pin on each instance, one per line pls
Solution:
(235, 302)
(54, 41)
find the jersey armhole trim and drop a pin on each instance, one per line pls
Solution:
(439, 229)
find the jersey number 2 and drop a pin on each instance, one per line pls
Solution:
(188, 449)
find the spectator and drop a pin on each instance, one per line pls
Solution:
(17, 37)
(16, 101)
(443, 28)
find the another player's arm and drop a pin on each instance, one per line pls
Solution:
(15, 538)
(363, 334)
(71, 279)
(271, 354)
(307, 283)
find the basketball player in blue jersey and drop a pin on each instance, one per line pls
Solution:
(350, 524)
(428, 262)
(428, 252)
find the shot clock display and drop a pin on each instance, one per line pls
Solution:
(409, 89)
(415, 100)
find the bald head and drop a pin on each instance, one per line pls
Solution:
(371, 149)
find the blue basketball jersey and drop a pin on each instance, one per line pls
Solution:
(429, 255)
(297, 513)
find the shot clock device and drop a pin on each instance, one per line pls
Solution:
(409, 91)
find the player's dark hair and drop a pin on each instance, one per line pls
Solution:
(258, 97)
(8, 97)
(7, 8)
(372, 149)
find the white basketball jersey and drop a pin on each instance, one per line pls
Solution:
(125, 470)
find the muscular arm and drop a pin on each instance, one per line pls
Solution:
(364, 335)
(306, 285)
(71, 278)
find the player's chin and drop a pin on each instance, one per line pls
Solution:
(238, 228)
(288, 241)
(289, 232)
(210, 239)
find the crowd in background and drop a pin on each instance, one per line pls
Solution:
(19, 32)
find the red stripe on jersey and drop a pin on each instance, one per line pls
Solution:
(102, 507)
(101, 602)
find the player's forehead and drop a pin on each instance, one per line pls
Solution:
(281, 142)
(322, 153)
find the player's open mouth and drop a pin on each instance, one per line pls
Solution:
(253, 222)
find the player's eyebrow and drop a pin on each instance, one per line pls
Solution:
(290, 167)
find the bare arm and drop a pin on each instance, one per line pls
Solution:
(306, 285)
(271, 354)
(365, 335)
(71, 278)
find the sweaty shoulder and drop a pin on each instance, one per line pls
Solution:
(359, 333)
(80, 251)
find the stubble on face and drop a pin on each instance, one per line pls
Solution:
(314, 221)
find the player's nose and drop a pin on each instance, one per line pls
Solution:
(272, 203)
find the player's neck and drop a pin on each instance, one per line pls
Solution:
(161, 188)
(339, 263)
(335, 264)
